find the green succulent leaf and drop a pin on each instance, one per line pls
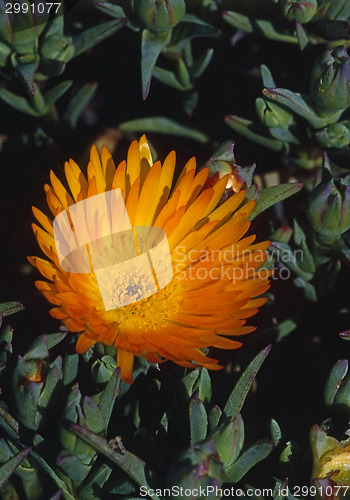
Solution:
(237, 397)
(259, 26)
(229, 440)
(129, 463)
(214, 416)
(201, 64)
(204, 386)
(9, 467)
(188, 382)
(95, 480)
(299, 104)
(198, 419)
(168, 78)
(267, 77)
(247, 460)
(72, 466)
(276, 432)
(8, 423)
(79, 103)
(248, 129)
(162, 125)
(152, 45)
(105, 399)
(92, 36)
(271, 195)
(8, 308)
(338, 372)
(50, 472)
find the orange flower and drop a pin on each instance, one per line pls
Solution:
(216, 276)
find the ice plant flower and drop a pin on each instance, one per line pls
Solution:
(216, 280)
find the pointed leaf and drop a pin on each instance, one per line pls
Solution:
(229, 440)
(248, 129)
(214, 417)
(247, 460)
(55, 93)
(151, 46)
(9, 467)
(283, 135)
(7, 308)
(50, 472)
(204, 387)
(8, 423)
(92, 36)
(108, 396)
(266, 76)
(271, 195)
(57, 495)
(201, 64)
(259, 26)
(297, 103)
(189, 380)
(168, 78)
(276, 433)
(161, 125)
(19, 103)
(129, 463)
(190, 28)
(79, 103)
(237, 397)
(338, 372)
(198, 419)
(111, 9)
(94, 481)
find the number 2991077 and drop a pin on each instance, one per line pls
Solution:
(34, 8)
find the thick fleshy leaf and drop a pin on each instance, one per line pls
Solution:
(72, 466)
(151, 46)
(162, 125)
(188, 382)
(52, 474)
(299, 104)
(229, 440)
(105, 399)
(8, 308)
(248, 129)
(259, 26)
(79, 103)
(204, 386)
(129, 463)
(214, 416)
(338, 372)
(267, 77)
(271, 195)
(92, 36)
(55, 93)
(237, 397)
(198, 419)
(94, 481)
(8, 423)
(8, 468)
(330, 30)
(276, 432)
(247, 460)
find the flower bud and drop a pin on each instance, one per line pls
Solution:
(330, 80)
(196, 469)
(299, 10)
(57, 47)
(273, 115)
(328, 209)
(159, 15)
(336, 135)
